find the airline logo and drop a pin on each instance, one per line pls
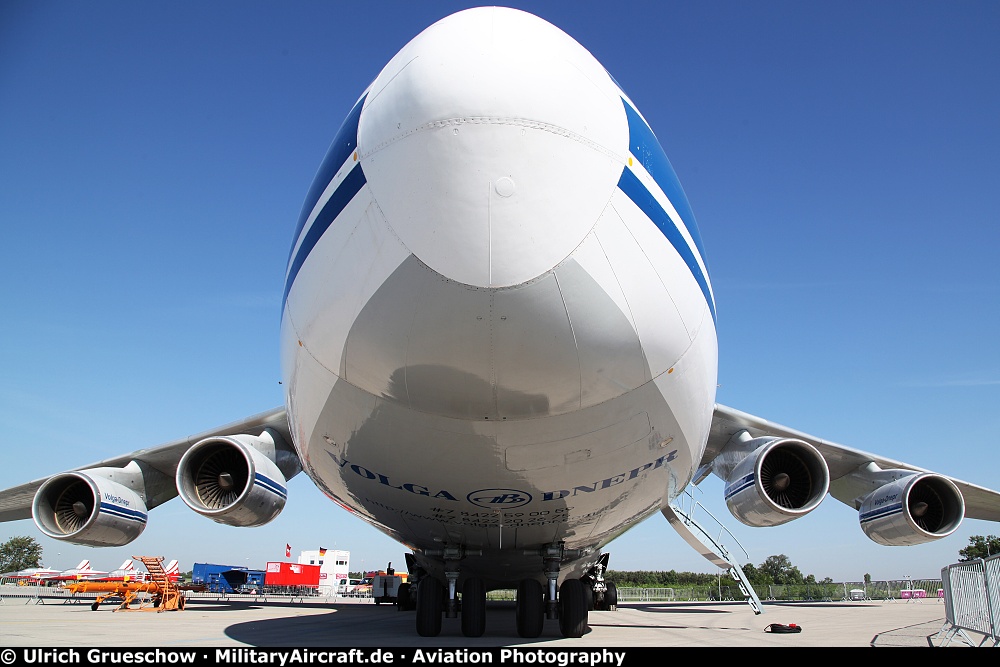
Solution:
(883, 507)
(499, 498)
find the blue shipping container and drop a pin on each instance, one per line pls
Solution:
(227, 578)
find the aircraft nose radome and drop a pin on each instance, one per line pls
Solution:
(492, 142)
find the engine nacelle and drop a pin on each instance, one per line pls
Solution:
(770, 481)
(918, 508)
(86, 507)
(236, 480)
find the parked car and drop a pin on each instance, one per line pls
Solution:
(351, 586)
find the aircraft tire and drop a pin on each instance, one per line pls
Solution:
(430, 596)
(403, 597)
(473, 607)
(530, 609)
(588, 596)
(572, 609)
(95, 606)
(611, 597)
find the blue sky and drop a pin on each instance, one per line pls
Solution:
(841, 159)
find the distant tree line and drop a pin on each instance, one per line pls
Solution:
(659, 579)
(776, 570)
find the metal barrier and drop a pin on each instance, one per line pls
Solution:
(18, 589)
(27, 591)
(285, 597)
(905, 590)
(646, 595)
(972, 601)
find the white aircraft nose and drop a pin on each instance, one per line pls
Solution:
(518, 135)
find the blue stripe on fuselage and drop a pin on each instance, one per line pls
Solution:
(644, 146)
(342, 196)
(637, 192)
(340, 149)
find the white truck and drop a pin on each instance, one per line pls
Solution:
(385, 586)
(351, 587)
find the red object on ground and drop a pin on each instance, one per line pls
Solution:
(291, 574)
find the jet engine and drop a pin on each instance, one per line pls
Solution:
(88, 507)
(914, 509)
(237, 480)
(770, 480)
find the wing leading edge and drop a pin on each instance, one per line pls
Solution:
(156, 467)
(843, 463)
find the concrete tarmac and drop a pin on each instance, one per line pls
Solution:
(212, 623)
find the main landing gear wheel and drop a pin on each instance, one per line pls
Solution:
(572, 608)
(530, 609)
(403, 598)
(473, 607)
(588, 596)
(430, 599)
(611, 597)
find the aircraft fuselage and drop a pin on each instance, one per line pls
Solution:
(498, 330)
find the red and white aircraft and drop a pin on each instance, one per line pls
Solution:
(36, 573)
(81, 571)
(125, 572)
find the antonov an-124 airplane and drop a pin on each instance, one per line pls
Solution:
(498, 342)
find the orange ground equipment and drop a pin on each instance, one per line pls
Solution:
(157, 593)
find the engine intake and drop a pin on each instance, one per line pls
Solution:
(915, 509)
(87, 508)
(237, 480)
(770, 481)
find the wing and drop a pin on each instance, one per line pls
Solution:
(899, 503)
(141, 480)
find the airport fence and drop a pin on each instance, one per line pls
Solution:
(972, 601)
(324, 595)
(904, 590)
(26, 591)
(23, 591)
(18, 590)
(717, 593)
(901, 589)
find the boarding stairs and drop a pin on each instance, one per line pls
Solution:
(711, 548)
(167, 596)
